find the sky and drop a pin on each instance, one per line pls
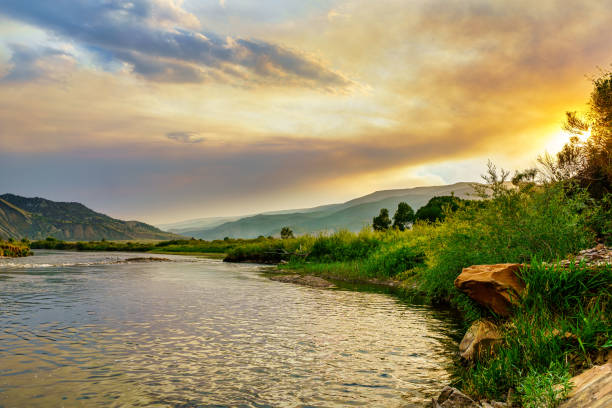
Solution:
(167, 110)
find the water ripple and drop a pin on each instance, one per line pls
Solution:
(201, 333)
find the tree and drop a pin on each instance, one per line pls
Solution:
(587, 158)
(286, 233)
(404, 216)
(437, 207)
(382, 221)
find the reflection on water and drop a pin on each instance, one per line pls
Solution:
(199, 333)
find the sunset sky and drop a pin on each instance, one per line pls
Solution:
(166, 110)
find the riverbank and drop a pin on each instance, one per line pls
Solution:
(559, 326)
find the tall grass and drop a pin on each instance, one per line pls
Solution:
(515, 225)
(561, 326)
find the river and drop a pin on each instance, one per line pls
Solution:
(92, 329)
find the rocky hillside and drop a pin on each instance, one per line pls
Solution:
(38, 218)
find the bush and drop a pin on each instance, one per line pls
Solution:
(437, 208)
(393, 259)
(515, 225)
(343, 246)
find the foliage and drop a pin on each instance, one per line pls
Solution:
(517, 224)
(544, 389)
(589, 161)
(286, 233)
(437, 208)
(404, 216)
(382, 221)
(172, 246)
(14, 249)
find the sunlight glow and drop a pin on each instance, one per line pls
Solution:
(560, 138)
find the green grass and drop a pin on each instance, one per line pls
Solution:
(561, 326)
(187, 246)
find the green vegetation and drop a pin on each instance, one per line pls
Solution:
(14, 249)
(404, 216)
(176, 246)
(521, 222)
(382, 221)
(437, 208)
(561, 325)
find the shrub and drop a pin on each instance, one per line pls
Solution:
(515, 225)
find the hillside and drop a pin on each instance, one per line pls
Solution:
(352, 215)
(38, 218)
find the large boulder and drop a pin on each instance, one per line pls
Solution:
(592, 388)
(497, 287)
(480, 340)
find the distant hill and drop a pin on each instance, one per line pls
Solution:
(352, 215)
(197, 224)
(38, 218)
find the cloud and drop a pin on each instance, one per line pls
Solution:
(161, 41)
(33, 63)
(451, 82)
(185, 137)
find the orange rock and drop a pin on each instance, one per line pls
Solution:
(494, 286)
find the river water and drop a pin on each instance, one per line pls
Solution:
(92, 329)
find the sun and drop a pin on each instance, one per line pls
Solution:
(584, 136)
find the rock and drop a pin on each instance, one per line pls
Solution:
(453, 398)
(597, 256)
(592, 388)
(480, 340)
(494, 286)
(493, 404)
(306, 280)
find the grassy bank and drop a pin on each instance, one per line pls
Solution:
(563, 323)
(217, 248)
(14, 249)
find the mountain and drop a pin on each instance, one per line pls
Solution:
(38, 218)
(184, 227)
(352, 215)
